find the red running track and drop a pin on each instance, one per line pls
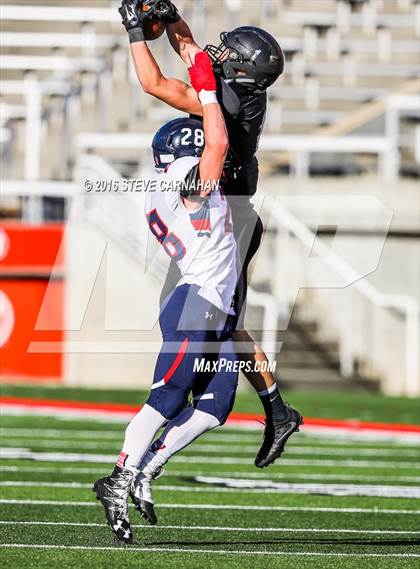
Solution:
(235, 417)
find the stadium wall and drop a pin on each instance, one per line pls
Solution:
(28, 255)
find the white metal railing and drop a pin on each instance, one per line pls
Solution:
(270, 320)
(88, 39)
(5, 135)
(402, 305)
(336, 93)
(32, 192)
(45, 188)
(51, 63)
(91, 14)
(301, 147)
(48, 87)
(32, 89)
(58, 14)
(8, 112)
(330, 19)
(364, 69)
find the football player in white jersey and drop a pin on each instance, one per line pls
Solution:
(191, 220)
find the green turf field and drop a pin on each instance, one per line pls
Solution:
(50, 517)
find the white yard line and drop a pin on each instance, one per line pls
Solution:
(57, 443)
(348, 433)
(71, 414)
(220, 528)
(238, 474)
(219, 485)
(225, 507)
(214, 449)
(302, 462)
(159, 549)
(311, 488)
(31, 484)
(60, 433)
(25, 453)
(222, 435)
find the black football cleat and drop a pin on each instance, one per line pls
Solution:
(276, 436)
(141, 496)
(141, 487)
(113, 491)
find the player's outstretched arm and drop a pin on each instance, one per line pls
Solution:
(181, 39)
(178, 31)
(174, 92)
(215, 132)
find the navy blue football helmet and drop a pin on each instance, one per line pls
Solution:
(177, 138)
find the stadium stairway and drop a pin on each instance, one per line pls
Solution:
(305, 361)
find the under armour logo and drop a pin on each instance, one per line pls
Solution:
(119, 525)
(209, 316)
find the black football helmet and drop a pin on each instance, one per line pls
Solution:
(177, 138)
(254, 60)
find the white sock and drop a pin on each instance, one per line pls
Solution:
(182, 431)
(139, 435)
(267, 391)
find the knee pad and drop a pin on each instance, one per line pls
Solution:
(168, 400)
(216, 395)
(217, 404)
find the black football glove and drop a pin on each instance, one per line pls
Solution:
(165, 10)
(133, 18)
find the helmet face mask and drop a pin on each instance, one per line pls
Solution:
(216, 52)
(248, 56)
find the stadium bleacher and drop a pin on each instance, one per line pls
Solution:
(347, 105)
(341, 55)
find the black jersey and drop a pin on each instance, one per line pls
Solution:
(244, 114)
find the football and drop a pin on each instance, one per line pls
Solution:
(153, 28)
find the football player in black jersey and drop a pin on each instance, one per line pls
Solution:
(247, 62)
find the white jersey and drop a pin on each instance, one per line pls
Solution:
(201, 241)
